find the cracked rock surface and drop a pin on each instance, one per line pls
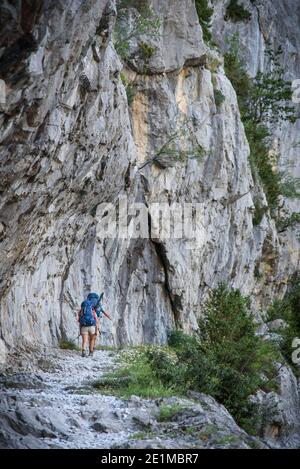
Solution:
(71, 141)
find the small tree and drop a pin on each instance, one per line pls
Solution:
(238, 357)
(178, 147)
(236, 12)
(225, 359)
(270, 97)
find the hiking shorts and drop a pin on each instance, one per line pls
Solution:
(91, 330)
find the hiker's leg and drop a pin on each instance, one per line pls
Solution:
(85, 337)
(92, 342)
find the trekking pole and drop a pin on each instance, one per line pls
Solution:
(97, 335)
(79, 332)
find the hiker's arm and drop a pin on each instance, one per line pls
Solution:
(107, 315)
(98, 326)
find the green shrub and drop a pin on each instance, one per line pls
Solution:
(204, 12)
(262, 166)
(168, 412)
(146, 50)
(213, 63)
(219, 97)
(167, 366)
(236, 12)
(68, 344)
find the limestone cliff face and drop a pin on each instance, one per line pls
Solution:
(71, 141)
(272, 24)
(66, 146)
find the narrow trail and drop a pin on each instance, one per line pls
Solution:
(61, 407)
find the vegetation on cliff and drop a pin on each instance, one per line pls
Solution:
(224, 358)
(144, 21)
(235, 11)
(264, 102)
(204, 12)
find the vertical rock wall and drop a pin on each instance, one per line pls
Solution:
(70, 141)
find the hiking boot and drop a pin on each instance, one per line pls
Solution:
(83, 353)
(91, 353)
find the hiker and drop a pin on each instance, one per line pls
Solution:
(89, 321)
(96, 302)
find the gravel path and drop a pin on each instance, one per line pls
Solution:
(61, 407)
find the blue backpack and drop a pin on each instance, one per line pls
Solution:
(87, 316)
(95, 299)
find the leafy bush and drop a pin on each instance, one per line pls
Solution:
(204, 12)
(290, 187)
(167, 366)
(236, 12)
(146, 50)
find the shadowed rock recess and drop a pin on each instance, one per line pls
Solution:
(85, 121)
